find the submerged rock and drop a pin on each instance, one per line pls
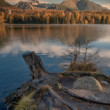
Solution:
(88, 83)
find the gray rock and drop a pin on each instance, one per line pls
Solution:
(88, 83)
(104, 82)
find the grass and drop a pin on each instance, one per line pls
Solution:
(81, 67)
(59, 86)
(26, 103)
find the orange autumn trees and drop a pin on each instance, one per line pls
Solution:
(58, 17)
(2, 15)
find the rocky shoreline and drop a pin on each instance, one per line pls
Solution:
(61, 91)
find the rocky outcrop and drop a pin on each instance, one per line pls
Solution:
(34, 4)
(88, 83)
(52, 91)
(25, 5)
(69, 4)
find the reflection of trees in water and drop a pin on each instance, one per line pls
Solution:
(37, 33)
(3, 35)
(2, 31)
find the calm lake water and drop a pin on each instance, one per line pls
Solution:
(48, 41)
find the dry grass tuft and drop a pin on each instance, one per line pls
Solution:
(82, 67)
(26, 103)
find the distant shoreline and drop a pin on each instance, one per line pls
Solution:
(49, 24)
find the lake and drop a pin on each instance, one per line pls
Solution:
(48, 41)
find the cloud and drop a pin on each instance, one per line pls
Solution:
(51, 50)
(105, 3)
(50, 1)
(102, 1)
(46, 48)
(104, 40)
(14, 1)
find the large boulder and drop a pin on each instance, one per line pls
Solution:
(88, 83)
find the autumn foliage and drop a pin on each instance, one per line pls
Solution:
(43, 16)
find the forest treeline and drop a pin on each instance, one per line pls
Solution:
(58, 17)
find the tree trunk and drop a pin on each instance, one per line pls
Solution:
(35, 65)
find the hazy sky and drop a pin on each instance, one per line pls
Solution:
(105, 3)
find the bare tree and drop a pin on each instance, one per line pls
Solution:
(72, 52)
(78, 54)
(89, 56)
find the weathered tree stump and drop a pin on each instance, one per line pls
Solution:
(35, 65)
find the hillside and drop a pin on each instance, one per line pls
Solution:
(69, 4)
(88, 5)
(82, 5)
(4, 3)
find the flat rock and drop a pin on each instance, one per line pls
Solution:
(96, 97)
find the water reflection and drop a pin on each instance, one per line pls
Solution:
(49, 41)
(34, 37)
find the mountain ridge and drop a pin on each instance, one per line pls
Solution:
(80, 5)
(4, 3)
(84, 5)
(89, 5)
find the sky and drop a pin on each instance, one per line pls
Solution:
(105, 3)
